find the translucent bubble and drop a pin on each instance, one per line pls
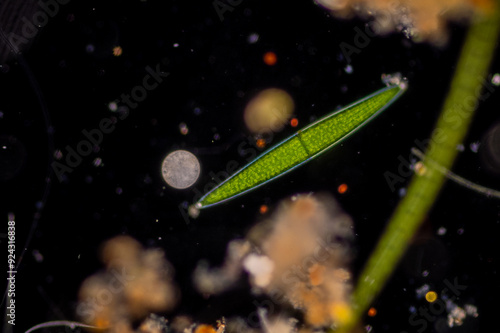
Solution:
(180, 169)
(490, 149)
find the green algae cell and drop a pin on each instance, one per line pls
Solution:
(303, 146)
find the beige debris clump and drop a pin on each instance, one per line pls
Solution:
(423, 20)
(305, 258)
(135, 283)
(299, 257)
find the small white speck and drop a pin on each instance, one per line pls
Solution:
(471, 310)
(474, 146)
(97, 162)
(496, 79)
(253, 38)
(422, 290)
(112, 106)
(37, 255)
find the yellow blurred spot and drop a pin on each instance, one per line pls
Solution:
(341, 313)
(372, 312)
(342, 188)
(294, 122)
(269, 111)
(270, 58)
(431, 296)
(261, 143)
(117, 51)
(263, 209)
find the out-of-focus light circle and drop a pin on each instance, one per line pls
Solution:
(269, 111)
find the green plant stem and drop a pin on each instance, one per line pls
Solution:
(423, 190)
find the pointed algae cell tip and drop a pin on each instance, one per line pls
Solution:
(306, 144)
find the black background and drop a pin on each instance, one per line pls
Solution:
(216, 70)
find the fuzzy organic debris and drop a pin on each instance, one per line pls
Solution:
(299, 257)
(135, 283)
(418, 19)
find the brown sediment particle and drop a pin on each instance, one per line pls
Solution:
(316, 274)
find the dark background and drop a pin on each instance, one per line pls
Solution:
(213, 73)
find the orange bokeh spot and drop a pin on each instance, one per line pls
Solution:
(294, 122)
(117, 51)
(261, 143)
(263, 209)
(101, 322)
(372, 312)
(270, 58)
(205, 329)
(342, 188)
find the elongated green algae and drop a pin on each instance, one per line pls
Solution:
(304, 145)
(459, 106)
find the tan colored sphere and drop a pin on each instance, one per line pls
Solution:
(269, 111)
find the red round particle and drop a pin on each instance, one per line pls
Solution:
(372, 312)
(261, 143)
(342, 188)
(270, 58)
